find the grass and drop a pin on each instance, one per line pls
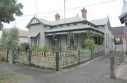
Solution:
(10, 77)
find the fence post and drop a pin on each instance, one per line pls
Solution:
(13, 57)
(7, 55)
(112, 69)
(79, 56)
(57, 61)
(29, 57)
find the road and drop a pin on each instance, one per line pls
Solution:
(96, 71)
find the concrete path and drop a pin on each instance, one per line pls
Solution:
(96, 71)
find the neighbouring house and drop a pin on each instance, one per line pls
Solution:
(118, 32)
(123, 18)
(71, 32)
(23, 36)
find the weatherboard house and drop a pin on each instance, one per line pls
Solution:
(57, 33)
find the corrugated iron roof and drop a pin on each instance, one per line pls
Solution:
(118, 30)
(62, 21)
(102, 21)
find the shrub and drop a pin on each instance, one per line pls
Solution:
(44, 50)
(24, 46)
(1, 47)
(2, 58)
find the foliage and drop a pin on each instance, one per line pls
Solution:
(24, 46)
(44, 49)
(10, 38)
(89, 35)
(121, 41)
(89, 43)
(2, 58)
(9, 9)
(1, 47)
(32, 48)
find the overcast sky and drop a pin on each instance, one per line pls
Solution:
(111, 9)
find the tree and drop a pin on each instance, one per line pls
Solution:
(90, 45)
(10, 39)
(9, 9)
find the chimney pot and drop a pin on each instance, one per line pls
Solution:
(57, 16)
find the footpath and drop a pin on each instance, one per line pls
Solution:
(95, 71)
(122, 70)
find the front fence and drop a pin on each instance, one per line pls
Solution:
(71, 58)
(50, 60)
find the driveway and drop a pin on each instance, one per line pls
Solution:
(96, 71)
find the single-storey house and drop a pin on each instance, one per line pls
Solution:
(70, 32)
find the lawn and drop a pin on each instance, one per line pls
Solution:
(10, 77)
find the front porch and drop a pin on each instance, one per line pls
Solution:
(75, 40)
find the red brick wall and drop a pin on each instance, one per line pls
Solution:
(97, 54)
(120, 35)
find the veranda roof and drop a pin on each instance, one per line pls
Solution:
(74, 28)
(33, 34)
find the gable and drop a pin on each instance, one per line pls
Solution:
(33, 21)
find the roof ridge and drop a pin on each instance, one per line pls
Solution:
(99, 19)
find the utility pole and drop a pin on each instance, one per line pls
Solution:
(36, 8)
(64, 8)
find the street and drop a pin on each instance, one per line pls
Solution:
(96, 71)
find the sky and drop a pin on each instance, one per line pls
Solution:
(110, 9)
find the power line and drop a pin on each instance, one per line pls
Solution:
(72, 8)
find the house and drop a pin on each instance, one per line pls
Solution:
(23, 36)
(123, 18)
(71, 32)
(105, 26)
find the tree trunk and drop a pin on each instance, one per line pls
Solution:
(91, 54)
(7, 54)
(44, 54)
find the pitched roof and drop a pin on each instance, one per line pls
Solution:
(62, 21)
(68, 20)
(118, 30)
(102, 21)
(23, 33)
(44, 21)
(58, 22)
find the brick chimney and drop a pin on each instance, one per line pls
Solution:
(57, 16)
(84, 13)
